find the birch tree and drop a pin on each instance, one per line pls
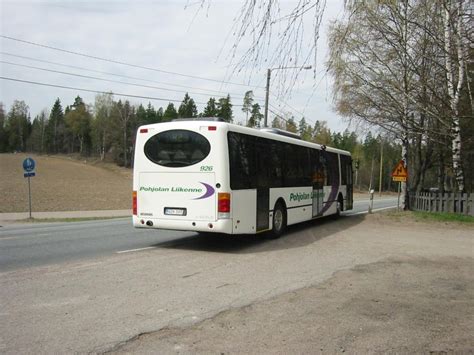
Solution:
(455, 56)
(102, 124)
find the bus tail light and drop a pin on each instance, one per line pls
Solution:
(134, 203)
(223, 204)
(143, 130)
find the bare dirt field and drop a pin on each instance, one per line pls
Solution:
(63, 184)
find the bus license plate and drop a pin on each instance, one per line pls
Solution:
(175, 211)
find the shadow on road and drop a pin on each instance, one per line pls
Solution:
(296, 236)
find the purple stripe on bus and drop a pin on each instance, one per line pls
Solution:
(209, 191)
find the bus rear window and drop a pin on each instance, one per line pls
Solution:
(177, 148)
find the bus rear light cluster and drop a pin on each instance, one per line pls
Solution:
(134, 203)
(144, 130)
(223, 204)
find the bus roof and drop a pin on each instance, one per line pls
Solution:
(265, 133)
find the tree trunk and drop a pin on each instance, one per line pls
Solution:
(404, 191)
(454, 91)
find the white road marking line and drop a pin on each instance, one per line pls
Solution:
(31, 236)
(132, 250)
(375, 210)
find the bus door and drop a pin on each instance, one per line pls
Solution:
(263, 201)
(318, 178)
(262, 159)
(346, 171)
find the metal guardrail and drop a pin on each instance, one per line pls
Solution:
(451, 202)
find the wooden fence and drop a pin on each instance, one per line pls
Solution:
(461, 203)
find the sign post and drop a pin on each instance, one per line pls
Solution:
(29, 168)
(400, 174)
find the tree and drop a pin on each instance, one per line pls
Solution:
(141, 113)
(211, 109)
(170, 113)
(255, 116)
(151, 114)
(36, 140)
(78, 121)
(124, 114)
(305, 130)
(455, 44)
(291, 125)
(321, 133)
(277, 123)
(3, 133)
(56, 129)
(188, 108)
(103, 124)
(18, 126)
(224, 109)
(247, 105)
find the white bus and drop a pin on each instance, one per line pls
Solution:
(211, 176)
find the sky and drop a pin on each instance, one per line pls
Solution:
(168, 46)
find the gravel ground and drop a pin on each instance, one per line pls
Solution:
(403, 305)
(63, 184)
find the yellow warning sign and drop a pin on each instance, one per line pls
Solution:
(400, 173)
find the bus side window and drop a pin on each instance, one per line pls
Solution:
(323, 161)
(333, 168)
(344, 168)
(242, 162)
(263, 162)
(276, 164)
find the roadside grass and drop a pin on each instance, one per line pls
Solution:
(443, 217)
(432, 216)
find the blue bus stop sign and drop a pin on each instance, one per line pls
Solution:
(29, 165)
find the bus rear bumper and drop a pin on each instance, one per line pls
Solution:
(219, 226)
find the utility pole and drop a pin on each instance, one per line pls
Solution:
(267, 92)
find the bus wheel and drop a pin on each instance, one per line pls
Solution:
(279, 221)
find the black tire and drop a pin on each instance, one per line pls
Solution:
(278, 221)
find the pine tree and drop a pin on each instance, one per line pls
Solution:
(151, 114)
(141, 115)
(224, 108)
(170, 113)
(55, 129)
(188, 108)
(36, 140)
(18, 126)
(255, 116)
(211, 110)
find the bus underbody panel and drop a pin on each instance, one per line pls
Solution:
(219, 226)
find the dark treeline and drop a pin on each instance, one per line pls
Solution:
(106, 130)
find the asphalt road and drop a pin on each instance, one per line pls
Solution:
(28, 245)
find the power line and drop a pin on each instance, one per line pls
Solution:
(119, 75)
(97, 91)
(136, 66)
(102, 79)
(119, 62)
